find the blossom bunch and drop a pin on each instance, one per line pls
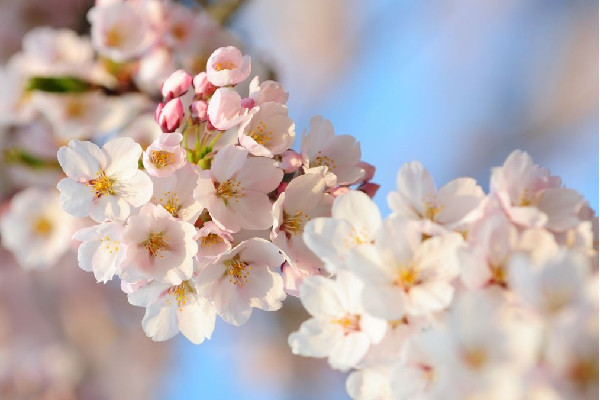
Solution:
(458, 294)
(208, 219)
(63, 86)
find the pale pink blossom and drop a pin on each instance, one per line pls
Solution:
(340, 154)
(176, 193)
(227, 66)
(225, 109)
(302, 200)
(354, 221)
(72, 115)
(339, 329)
(234, 190)
(120, 31)
(552, 285)
(532, 197)
(213, 240)
(35, 229)
(267, 91)
(165, 155)
(267, 131)
(158, 247)
(199, 110)
(403, 274)
(202, 86)
(243, 278)
(101, 251)
(369, 384)
(103, 183)
(171, 309)
(176, 84)
(153, 69)
(417, 198)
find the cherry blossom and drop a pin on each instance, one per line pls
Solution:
(227, 66)
(102, 183)
(171, 309)
(158, 246)
(339, 329)
(340, 154)
(102, 250)
(35, 229)
(267, 131)
(234, 190)
(243, 278)
(165, 155)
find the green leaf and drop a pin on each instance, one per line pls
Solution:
(58, 84)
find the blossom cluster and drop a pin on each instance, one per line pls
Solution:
(63, 86)
(208, 219)
(458, 294)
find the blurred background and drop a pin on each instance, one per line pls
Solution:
(456, 85)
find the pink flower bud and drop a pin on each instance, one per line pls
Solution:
(369, 170)
(267, 91)
(369, 188)
(171, 115)
(177, 84)
(290, 161)
(158, 111)
(248, 103)
(199, 109)
(202, 86)
(338, 191)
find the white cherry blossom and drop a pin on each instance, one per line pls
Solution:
(103, 183)
(171, 309)
(35, 229)
(102, 249)
(243, 278)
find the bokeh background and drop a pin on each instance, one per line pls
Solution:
(454, 84)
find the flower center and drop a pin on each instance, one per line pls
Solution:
(407, 278)
(292, 224)
(179, 31)
(431, 210)
(231, 188)
(113, 37)
(74, 109)
(259, 135)
(210, 239)
(156, 244)
(475, 358)
(42, 226)
(221, 65)
(350, 323)
(111, 245)
(102, 185)
(499, 275)
(180, 293)
(161, 158)
(321, 160)
(237, 270)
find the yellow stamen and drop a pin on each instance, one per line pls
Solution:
(475, 358)
(321, 160)
(210, 239)
(237, 270)
(220, 66)
(260, 135)
(350, 323)
(102, 185)
(113, 37)
(156, 244)
(180, 293)
(161, 158)
(292, 224)
(74, 108)
(231, 188)
(407, 278)
(42, 226)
